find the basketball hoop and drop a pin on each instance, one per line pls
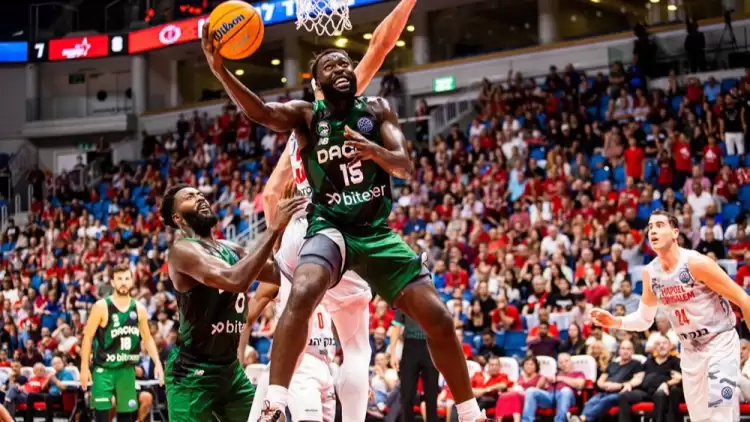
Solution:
(324, 17)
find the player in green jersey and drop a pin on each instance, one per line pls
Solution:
(205, 381)
(350, 146)
(118, 324)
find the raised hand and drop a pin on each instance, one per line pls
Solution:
(364, 148)
(211, 51)
(287, 208)
(603, 318)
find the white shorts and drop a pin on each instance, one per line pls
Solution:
(709, 376)
(311, 393)
(351, 290)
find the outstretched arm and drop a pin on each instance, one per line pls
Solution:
(276, 116)
(186, 257)
(640, 320)
(392, 156)
(280, 177)
(383, 40)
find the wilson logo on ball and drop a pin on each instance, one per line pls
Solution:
(227, 27)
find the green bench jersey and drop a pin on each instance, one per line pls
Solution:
(211, 320)
(352, 196)
(118, 344)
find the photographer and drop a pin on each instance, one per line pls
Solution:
(644, 51)
(695, 47)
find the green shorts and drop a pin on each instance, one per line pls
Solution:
(118, 383)
(207, 392)
(380, 257)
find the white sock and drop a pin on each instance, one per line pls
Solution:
(277, 396)
(468, 411)
(352, 385)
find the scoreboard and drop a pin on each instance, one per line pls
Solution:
(141, 40)
(90, 47)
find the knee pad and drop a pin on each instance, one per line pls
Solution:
(321, 250)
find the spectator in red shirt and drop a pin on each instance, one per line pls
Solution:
(457, 277)
(505, 316)
(466, 347)
(740, 246)
(634, 159)
(712, 154)
(743, 273)
(683, 162)
(543, 315)
(489, 383)
(382, 316)
(35, 385)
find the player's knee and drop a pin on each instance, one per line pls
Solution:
(308, 287)
(439, 324)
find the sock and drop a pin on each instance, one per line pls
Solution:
(352, 383)
(468, 411)
(277, 396)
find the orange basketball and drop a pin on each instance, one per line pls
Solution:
(237, 27)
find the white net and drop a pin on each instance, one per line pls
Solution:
(324, 17)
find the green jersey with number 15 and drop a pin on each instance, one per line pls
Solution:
(350, 195)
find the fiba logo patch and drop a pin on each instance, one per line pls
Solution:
(131, 404)
(684, 276)
(727, 392)
(365, 125)
(133, 315)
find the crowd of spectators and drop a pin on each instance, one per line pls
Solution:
(528, 217)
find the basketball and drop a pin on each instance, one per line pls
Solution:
(237, 27)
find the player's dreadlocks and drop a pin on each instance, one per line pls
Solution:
(167, 204)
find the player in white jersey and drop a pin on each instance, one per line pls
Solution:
(348, 301)
(312, 392)
(692, 290)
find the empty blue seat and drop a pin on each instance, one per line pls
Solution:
(644, 212)
(676, 101)
(744, 193)
(728, 83)
(537, 154)
(732, 161)
(729, 212)
(601, 175)
(620, 175)
(597, 159)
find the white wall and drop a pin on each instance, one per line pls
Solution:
(64, 100)
(13, 106)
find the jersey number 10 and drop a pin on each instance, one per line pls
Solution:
(126, 343)
(352, 173)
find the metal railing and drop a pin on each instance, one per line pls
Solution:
(256, 227)
(442, 117)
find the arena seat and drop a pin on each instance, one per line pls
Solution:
(547, 366)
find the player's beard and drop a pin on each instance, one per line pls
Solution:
(123, 291)
(199, 223)
(333, 94)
